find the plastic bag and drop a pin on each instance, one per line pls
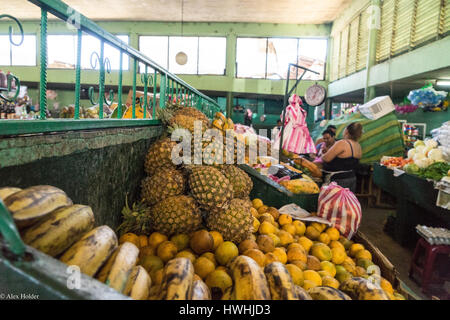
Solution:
(341, 207)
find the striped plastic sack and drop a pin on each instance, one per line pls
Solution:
(341, 207)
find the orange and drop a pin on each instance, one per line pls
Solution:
(143, 241)
(306, 243)
(226, 252)
(363, 254)
(313, 276)
(321, 251)
(263, 209)
(156, 238)
(338, 255)
(300, 227)
(308, 284)
(167, 251)
(257, 203)
(324, 238)
(354, 248)
(336, 244)
(333, 233)
(210, 256)
(281, 254)
(284, 219)
(186, 254)
(256, 255)
(254, 212)
(299, 254)
(289, 228)
(312, 233)
(285, 238)
(181, 241)
(269, 258)
(328, 281)
(218, 239)
(296, 274)
(130, 237)
(203, 266)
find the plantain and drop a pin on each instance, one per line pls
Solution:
(362, 289)
(62, 228)
(7, 191)
(249, 280)
(327, 293)
(302, 294)
(34, 203)
(118, 267)
(229, 294)
(200, 291)
(280, 282)
(177, 282)
(138, 284)
(92, 250)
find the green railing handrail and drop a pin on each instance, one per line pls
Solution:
(9, 231)
(66, 13)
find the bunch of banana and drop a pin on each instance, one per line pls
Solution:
(138, 284)
(327, 293)
(249, 280)
(7, 191)
(32, 204)
(60, 230)
(177, 281)
(280, 282)
(302, 293)
(200, 291)
(117, 269)
(362, 289)
(92, 250)
(221, 122)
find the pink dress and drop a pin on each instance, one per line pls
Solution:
(296, 136)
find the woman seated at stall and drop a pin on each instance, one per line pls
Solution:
(342, 159)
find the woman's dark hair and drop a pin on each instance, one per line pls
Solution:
(330, 132)
(355, 130)
(331, 127)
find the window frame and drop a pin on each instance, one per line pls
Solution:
(75, 62)
(327, 39)
(10, 52)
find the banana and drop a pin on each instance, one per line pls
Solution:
(60, 230)
(200, 291)
(280, 282)
(92, 250)
(178, 278)
(327, 293)
(229, 294)
(361, 289)
(249, 280)
(33, 203)
(138, 284)
(7, 191)
(302, 294)
(119, 266)
(102, 275)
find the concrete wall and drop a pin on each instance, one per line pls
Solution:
(97, 168)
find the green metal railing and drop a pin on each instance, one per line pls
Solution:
(159, 82)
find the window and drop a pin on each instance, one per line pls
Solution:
(206, 55)
(188, 45)
(62, 51)
(23, 55)
(268, 58)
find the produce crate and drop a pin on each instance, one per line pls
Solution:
(275, 195)
(387, 269)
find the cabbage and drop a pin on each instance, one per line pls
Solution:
(418, 156)
(418, 143)
(436, 155)
(411, 153)
(420, 149)
(431, 143)
(411, 168)
(423, 163)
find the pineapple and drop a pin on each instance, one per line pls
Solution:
(242, 184)
(177, 214)
(164, 183)
(234, 224)
(136, 219)
(175, 116)
(159, 156)
(210, 188)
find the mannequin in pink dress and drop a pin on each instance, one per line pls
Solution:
(296, 136)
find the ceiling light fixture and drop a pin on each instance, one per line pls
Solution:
(181, 58)
(443, 83)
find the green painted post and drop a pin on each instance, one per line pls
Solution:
(134, 89)
(119, 88)
(78, 77)
(43, 66)
(155, 78)
(101, 88)
(145, 91)
(162, 91)
(229, 108)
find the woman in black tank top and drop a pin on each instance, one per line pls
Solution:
(342, 160)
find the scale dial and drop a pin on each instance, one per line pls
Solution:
(315, 95)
